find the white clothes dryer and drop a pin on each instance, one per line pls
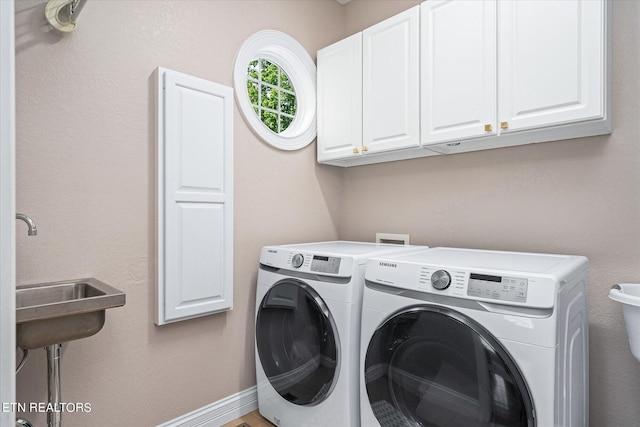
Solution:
(308, 308)
(455, 337)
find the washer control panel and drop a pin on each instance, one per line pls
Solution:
(315, 263)
(325, 264)
(498, 287)
(299, 260)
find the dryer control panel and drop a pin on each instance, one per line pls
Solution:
(498, 287)
(466, 283)
(503, 287)
(499, 277)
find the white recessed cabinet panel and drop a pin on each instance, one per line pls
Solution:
(195, 197)
(458, 72)
(391, 86)
(201, 240)
(554, 73)
(340, 99)
(491, 74)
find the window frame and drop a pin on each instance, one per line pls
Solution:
(285, 52)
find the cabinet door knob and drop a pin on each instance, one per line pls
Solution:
(488, 128)
(365, 148)
(355, 150)
(504, 125)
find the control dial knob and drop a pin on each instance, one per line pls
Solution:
(297, 260)
(440, 280)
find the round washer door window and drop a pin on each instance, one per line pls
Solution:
(297, 341)
(431, 366)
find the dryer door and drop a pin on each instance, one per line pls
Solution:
(432, 366)
(297, 342)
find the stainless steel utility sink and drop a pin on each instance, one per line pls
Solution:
(53, 313)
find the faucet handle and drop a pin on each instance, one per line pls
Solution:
(33, 230)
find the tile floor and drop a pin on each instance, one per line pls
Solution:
(252, 419)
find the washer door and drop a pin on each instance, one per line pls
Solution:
(297, 342)
(431, 366)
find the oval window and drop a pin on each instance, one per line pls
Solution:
(271, 94)
(275, 80)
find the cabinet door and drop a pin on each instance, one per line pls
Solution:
(391, 83)
(551, 62)
(195, 197)
(340, 99)
(458, 70)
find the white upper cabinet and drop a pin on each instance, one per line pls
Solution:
(369, 95)
(451, 76)
(458, 71)
(550, 82)
(551, 62)
(195, 197)
(340, 99)
(391, 86)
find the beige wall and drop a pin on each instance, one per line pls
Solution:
(85, 155)
(574, 197)
(85, 148)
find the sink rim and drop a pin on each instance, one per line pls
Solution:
(111, 298)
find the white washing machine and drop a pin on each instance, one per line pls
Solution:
(455, 337)
(308, 307)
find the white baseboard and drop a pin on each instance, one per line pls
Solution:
(220, 412)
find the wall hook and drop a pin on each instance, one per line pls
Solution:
(54, 8)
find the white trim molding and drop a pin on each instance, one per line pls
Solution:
(7, 213)
(220, 412)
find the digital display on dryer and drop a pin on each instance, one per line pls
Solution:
(325, 264)
(485, 277)
(498, 287)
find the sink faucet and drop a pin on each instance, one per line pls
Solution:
(33, 230)
(23, 422)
